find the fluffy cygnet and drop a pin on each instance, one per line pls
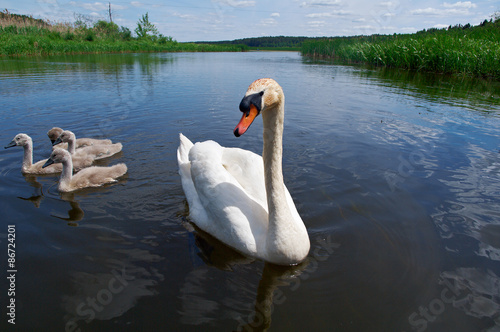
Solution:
(94, 176)
(55, 132)
(79, 162)
(97, 152)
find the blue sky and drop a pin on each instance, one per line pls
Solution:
(206, 20)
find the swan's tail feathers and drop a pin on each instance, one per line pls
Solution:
(119, 170)
(109, 150)
(183, 150)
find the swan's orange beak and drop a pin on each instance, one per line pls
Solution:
(246, 121)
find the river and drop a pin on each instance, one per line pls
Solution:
(395, 174)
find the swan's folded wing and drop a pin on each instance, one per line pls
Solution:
(248, 169)
(234, 217)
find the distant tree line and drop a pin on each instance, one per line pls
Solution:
(266, 42)
(296, 42)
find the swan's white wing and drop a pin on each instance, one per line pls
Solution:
(233, 216)
(196, 209)
(247, 168)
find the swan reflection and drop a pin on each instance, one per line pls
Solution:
(256, 304)
(105, 288)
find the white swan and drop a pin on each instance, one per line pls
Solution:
(98, 151)
(239, 197)
(79, 162)
(94, 176)
(55, 132)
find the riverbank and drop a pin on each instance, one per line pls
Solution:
(465, 50)
(22, 35)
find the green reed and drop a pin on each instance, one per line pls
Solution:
(472, 51)
(25, 39)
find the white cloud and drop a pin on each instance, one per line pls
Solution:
(96, 6)
(457, 8)
(466, 4)
(320, 3)
(316, 24)
(236, 3)
(440, 26)
(184, 16)
(426, 11)
(330, 14)
(268, 22)
(275, 15)
(136, 4)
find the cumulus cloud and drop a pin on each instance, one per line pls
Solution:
(236, 3)
(457, 8)
(329, 14)
(316, 24)
(268, 22)
(466, 4)
(320, 3)
(184, 16)
(275, 15)
(96, 6)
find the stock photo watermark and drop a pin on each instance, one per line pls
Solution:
(425, 315)
(409, 164)
(88, 309)
(11, 274)
(324, 249)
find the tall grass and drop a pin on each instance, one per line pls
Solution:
(23, 35)
(473, 51)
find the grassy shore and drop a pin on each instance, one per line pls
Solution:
(466, 50)
(23, 35)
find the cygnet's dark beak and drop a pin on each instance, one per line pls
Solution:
(48, 163)
(57, 141)
(10, 145)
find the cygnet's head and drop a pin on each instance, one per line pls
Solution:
(19, 140)
(57, 156)
(54, 134)
(65, 136)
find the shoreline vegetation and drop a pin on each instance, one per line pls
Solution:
(22, 35)
(464, 50)
(459, 50)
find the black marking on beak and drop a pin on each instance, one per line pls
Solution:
(255, 99)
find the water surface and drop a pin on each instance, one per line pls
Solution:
(395, 174)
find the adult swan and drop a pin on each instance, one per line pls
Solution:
(239, 197)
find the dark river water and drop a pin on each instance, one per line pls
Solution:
(395, 174)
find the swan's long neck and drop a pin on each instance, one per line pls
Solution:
(67, 171)
(72, 145)
(28, 155)
(280, 218)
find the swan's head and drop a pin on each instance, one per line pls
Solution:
(262, 95)
(19, 140)
(54, 134)
(57, 156)
(65, 136)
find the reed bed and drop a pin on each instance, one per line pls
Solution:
(473, 51)
(24, 35)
